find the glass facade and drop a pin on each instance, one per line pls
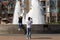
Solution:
(52, 6)
(43, 3)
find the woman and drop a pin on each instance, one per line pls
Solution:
(20, 22)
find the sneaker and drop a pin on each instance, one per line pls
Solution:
(18, 29)
(27, 38)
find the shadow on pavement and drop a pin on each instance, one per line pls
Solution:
(42, 38)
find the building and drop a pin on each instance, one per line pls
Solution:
(58, 4)
(51, 10)
(7, 10)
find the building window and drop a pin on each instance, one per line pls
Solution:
(44, 9)
(25, 0)
(11, 3)
(48, 3)
(5, 0)
(52, 6)
(4, 8)
(52, 9)
(11, 10)
(20, 0)
(43, 3)
(52, 3)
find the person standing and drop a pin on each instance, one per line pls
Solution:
(28, 28)
(21, 25)
(20, 22)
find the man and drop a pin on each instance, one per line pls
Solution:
(29, 23)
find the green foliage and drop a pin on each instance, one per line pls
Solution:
(54, 22)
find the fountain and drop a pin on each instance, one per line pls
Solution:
(17, 12)
(36, 13)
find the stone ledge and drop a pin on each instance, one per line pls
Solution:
(36, 29)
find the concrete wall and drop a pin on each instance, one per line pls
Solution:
(13, 29)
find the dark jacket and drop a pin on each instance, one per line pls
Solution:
(20, 20)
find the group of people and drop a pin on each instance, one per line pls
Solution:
(28, 26)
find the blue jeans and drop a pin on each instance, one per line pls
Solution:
(20, 25)
(28, 34)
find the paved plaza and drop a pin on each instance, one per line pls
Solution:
(34, 37)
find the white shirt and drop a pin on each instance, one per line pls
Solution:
(29, 22)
